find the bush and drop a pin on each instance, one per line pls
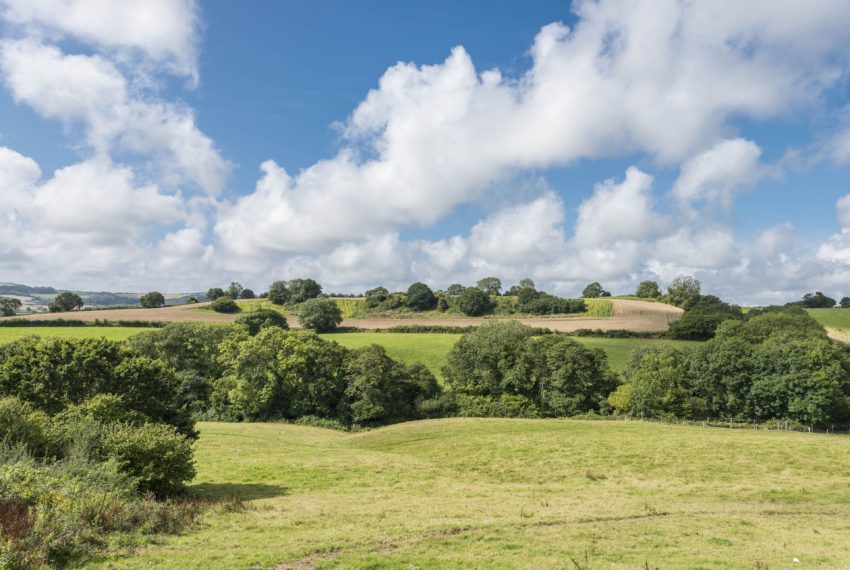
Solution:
(156, 457)
(22, 425)
(224, 304)
(321, 315)
(420, 297)
(474, 302)
(505, 406)
(263, 318)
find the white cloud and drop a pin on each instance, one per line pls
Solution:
(713, 176)
(165, 31)
(90, 90)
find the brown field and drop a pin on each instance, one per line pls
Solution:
(628, 314)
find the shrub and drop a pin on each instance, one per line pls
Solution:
(256, 321)
(474, 302)
(321, 315)
(420, 297)
(505, 406)
(224, 304)
(544, 304)
(156, 457)
(22, 425)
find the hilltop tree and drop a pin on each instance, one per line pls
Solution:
(684, 291)
(817, 300)
(844, 303)
(474, 302)
(8, 306)
(648, 290)
(234, 290)
(420, 297)
(65, 301)
(455, 289)
(247, 294)
(594, 290)
(490, 285)
(214, 293)
(279, 293)
(302, 289)
(152, 300)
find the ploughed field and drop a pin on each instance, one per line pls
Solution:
(493, 493)
(626, 314)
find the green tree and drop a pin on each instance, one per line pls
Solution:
(683, 291)
(474, 302)
(594, 290)
(65, 301)
(8, 306)
(420, 297)
(490, 285)
(321, 315)
(234, 290)
(152, 300)
(817, 300)
(648, 290)
(256, 321)
(455, 289)
(302, 289)
(658, 384)
(214, 293)
(703, 317)
(479, 362)
(562, 376)
(526, 283)
(844, 303)
(247, 294)
(279, 293)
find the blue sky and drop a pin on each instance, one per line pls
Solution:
(176, 145)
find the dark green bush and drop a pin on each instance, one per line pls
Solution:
(256, 321)
(420, 297)
(474, 302)
(224, 304)
(321, 315)
(544, 304)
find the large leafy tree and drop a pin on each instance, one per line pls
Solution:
(420, 297)
(594, 290)
(152, 300)
(302, 289)
(648, 290)
(683, 291)
(279, 293)
(8, 306)
(65, 301)
(214, 293)
(321, 315)
(474, 302)
(490, 285)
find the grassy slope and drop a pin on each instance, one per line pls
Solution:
(832, 318)
(8, 334)
(515, 494)
(431, 349)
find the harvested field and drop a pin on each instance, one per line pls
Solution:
(628, 314)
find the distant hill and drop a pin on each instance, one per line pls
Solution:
(37, 298)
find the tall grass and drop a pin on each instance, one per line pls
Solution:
(599, 307)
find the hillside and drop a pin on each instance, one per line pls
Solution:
(464, 493)
(627, 314)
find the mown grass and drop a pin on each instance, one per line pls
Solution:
(8, 334)
(476, 493)
(831, 318)
(431, 349)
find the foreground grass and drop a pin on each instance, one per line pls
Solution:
(8, 334)
(831, 318)
(431, 349)
(467, 493)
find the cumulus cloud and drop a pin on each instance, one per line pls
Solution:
(712, 177)
(164, 31)
(90, 90)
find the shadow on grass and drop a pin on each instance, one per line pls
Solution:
(240, 491)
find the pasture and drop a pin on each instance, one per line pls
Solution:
(431, 349)
(832, 318)
(491, 493)
(8, 334)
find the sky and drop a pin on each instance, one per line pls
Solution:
(178, 145)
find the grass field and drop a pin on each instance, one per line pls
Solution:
(8, 334)
(467, 493)
(431, 348)
(831, 318)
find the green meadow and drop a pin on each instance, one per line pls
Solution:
(431, 349)
(831, 318)
(492, 493)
